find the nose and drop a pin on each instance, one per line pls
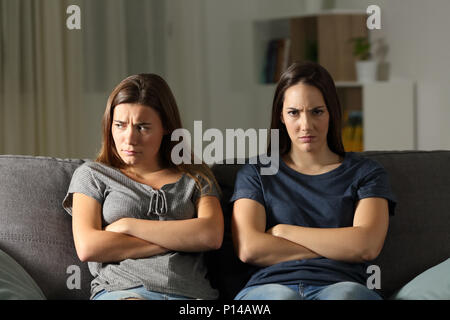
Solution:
(305, 122)
(131, 136)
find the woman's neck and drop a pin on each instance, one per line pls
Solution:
(312, 161)
(143, 171)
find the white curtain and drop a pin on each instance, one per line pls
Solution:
(188, 61)
(38, 82)
(54, 82)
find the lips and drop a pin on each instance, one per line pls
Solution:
(307, 139)
(130, 152)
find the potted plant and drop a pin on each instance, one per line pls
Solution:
(366, 67)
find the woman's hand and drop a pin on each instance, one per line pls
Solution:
(120, 226)
(276, 230)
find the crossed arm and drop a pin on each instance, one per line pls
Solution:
(361, 242)
(136, 238)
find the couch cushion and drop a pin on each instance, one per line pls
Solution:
(418, 236)
(433, 284)
(34, 228)
(15, 282)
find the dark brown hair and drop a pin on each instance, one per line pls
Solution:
(152, 91)
(312, 74)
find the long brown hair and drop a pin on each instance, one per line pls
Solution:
(312, 74)
(152, 91)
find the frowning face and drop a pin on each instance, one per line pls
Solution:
(137, 132)
(306, 117)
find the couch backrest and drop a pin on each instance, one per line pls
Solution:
(34, 228)
(36, 231)
(419, 233)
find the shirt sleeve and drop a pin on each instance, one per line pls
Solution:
(376, 184)
(248, 185)
(83, 181)
(207, 189)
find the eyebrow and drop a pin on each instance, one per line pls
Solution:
(311, 108)
(137, 124)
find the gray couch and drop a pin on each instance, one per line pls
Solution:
(36, 231)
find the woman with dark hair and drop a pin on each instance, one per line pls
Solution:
(141, 221)
(312, 228)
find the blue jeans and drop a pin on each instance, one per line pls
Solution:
(137, 293)
(301, 291)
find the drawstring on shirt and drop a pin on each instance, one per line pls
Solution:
(158, 203)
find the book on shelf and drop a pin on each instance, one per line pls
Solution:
(277, 59)
(352, 131)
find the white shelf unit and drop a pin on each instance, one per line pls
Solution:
(389, 115)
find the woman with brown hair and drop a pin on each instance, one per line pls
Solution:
(141, 221)
(311, 228)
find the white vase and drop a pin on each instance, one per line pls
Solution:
(366, 71)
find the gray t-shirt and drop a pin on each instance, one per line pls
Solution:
(181, 273)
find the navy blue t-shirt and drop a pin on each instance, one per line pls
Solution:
(319, 201)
